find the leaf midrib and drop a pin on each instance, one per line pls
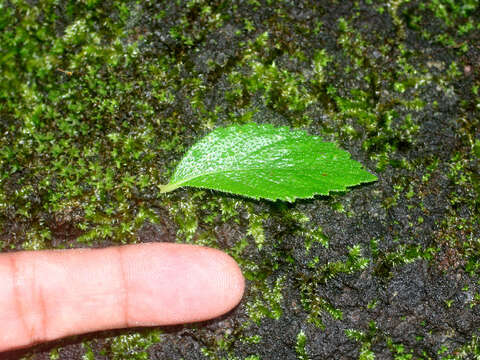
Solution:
(246, 156)
(178, 184)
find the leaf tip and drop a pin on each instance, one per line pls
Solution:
(371, 177)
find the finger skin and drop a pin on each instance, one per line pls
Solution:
(47, 295)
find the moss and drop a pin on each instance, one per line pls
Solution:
(398, 351)
(315, 236)
(99, 100)
(133, 346)
(255, 228)
(366, 340)
(300, 346)
(54, 354)
(267, 302)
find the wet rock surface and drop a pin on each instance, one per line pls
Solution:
(103, 98)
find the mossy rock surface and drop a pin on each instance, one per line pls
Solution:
(100, 99)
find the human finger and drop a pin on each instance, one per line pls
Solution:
(46, 295)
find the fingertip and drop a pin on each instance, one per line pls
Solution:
(177, 283)
(134, 285)
(230, 280)
(212, 283)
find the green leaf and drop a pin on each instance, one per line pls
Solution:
(261, 161)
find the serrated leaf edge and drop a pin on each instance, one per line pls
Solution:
(173, 186)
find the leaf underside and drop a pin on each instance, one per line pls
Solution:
(263, 161)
